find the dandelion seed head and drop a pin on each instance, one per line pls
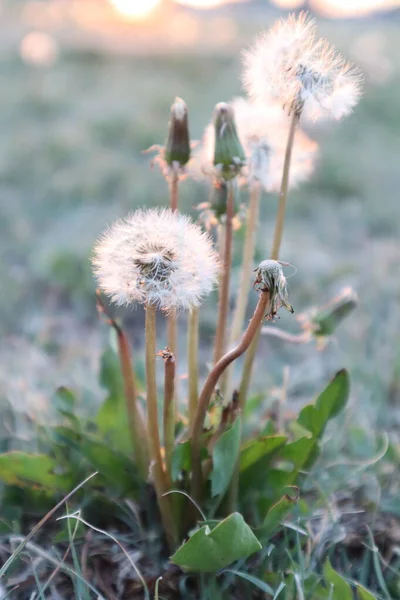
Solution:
(263, 131)
(304, 72)
(158, 257)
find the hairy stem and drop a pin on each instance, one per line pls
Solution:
(245, 275)
(223, 305)
(209, 386)
(169, 410)
(276, 245)
(159, 476)
(136, 418)
(193, 362)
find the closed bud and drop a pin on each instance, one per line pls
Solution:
(177, 146)
(229, 156)
(325, 320)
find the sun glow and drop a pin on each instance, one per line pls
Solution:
(135, 10)
(206, 3)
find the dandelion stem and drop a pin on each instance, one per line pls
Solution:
(280, 218)
(136, 419)
(169, 410)
(173, 190)
(245, 275)
(193, 361)
(223, 306)
(276, 245)
(159, 475)
(172, 320)
(247, 262)
(209, 386)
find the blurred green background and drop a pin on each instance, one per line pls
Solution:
(83, 94)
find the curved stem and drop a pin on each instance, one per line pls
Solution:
(153, 434)
(298, 338)
(193, 362)
(211, 382)
(276, 245)
(223, 305)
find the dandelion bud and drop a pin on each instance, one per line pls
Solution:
(229, 156)
(270, 277)
(325, 320)
(177, 146)
(158, 257)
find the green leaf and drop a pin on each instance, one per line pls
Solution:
(65, 399)
(110, 373)
(224, 458)
(65, 404)
(278, 512)
(260, 448)
(364, 594)
(116, 468)
(208, 551)
(261, 585)
(112, 419)
(332, 400)
(341, 589)
(36, 470)
(181, 459)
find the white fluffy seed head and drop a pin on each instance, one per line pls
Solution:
(263, 131)
(304, 72)
(157, 257)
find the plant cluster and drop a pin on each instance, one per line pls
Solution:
(220, 486)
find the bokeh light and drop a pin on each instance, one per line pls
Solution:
(206, 3)
(135, 10)
(39, 48)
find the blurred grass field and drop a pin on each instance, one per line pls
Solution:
(71, 162)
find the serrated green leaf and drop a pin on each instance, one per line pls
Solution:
(277, 513)
(33, 470)
(208, 551)
(260, 448)
(341, 589)
(364, 594)
(224, 458)
(332, 400)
